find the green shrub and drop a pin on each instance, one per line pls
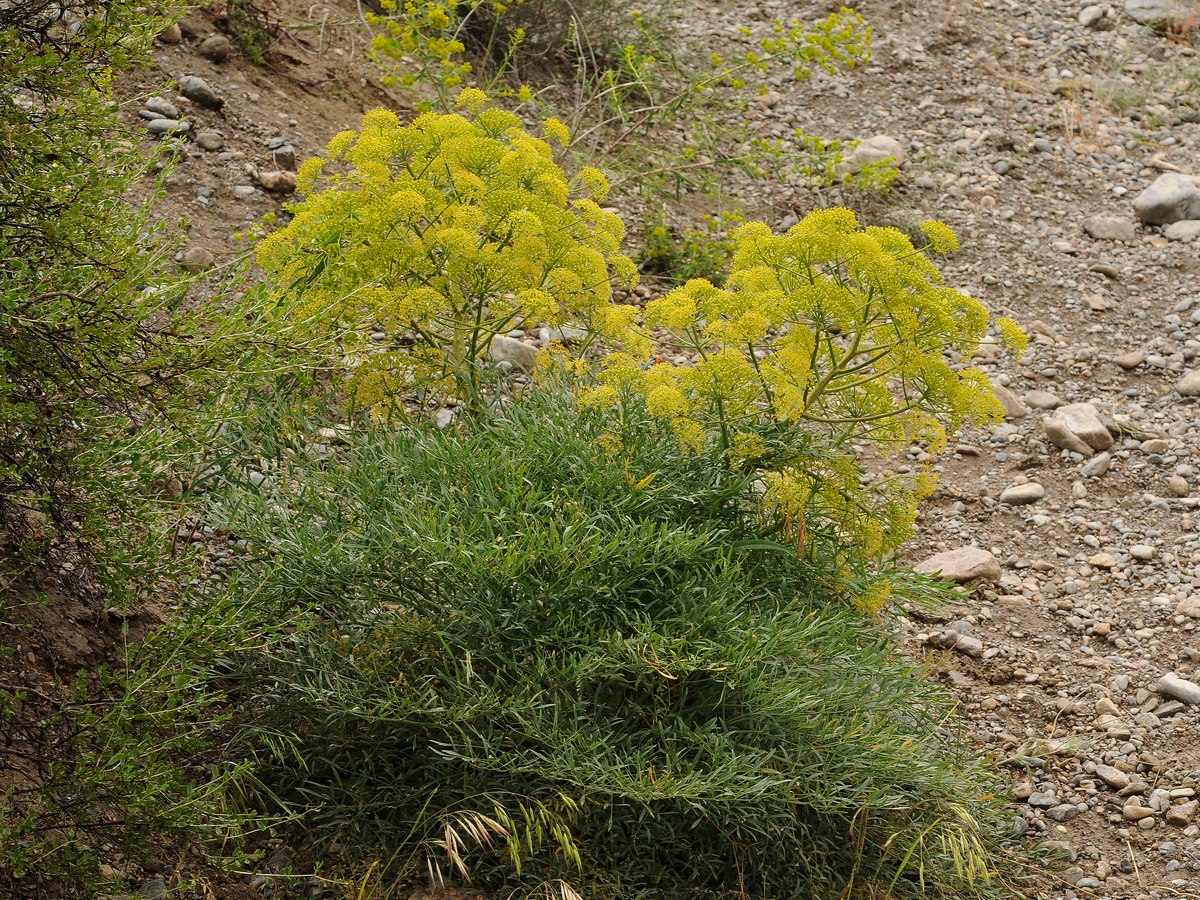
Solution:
(119, 762)
(521, 656)
(697, 253)
(97, 363)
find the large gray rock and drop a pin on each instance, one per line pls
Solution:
(1172, 197)
(1077, 427)
(1171, 685)
(962, 565)
(197, 90)
(1150, 11)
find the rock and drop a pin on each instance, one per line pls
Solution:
(1090, 16)
(1131, 360)
(1185, 231)
(164, 107)
(1077, 424)
(209, 140)
(1042, 400)
(963, 643)
(567, 335)
(519, 355)
(879, 149)
(1061, 436)
(1043, 799)
(1178, 486)
(1109, 228)
(1113, 777)
(1022, 494)
(1062, 812)
(168, 126)
(1135, 812)
(196, 89)
(1171, 685)
(1189, 606)
(1189, 384)
(1147, 12)
(284, 156)
(197, 259)
(962, 565)
(1181, 816)
(277, 182)
(1096, 466)
(215, 47)
(172, 34)
(154, 888)
(1014, 408)
(1172, 197)
(1103, 561)
(1142, 552)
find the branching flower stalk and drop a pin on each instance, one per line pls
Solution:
(446, 233)
(829, 331)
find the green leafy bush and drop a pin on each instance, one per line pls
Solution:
(696, 253)
(520, 656)
(97, 363)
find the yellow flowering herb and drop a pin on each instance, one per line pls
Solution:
(446, 231)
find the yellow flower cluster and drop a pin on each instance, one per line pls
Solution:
(447, 231)
(834, 330)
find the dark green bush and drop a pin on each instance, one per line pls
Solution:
(556, 651)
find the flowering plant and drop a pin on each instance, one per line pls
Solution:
(824, 337)
(447, 232)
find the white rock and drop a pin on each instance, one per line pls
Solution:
(1109, 228)
(1172, 197)
(1082, 420)
(1150, 11)
(518, 354)
(1189, 606)
(1022, 494)
(1061, 436)
(878, 149)
(1014, 407)
(1185, 231)
(1042, 400)
(962, 565)
(1171, 685)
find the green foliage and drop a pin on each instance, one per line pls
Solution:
(626, 72)
(518, 654)
(830, 329)
(447, 232)
(96, 361)
(694, 254)
(120, 759)
(253, 28)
